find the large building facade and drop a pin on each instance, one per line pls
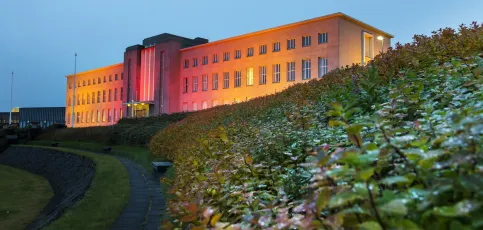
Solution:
(169, 73)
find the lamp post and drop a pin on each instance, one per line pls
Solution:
(381, 38)
(73, 91)
(11, 98)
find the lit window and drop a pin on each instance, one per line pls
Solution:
(263, 49)
(291, 44)
(368, 48)
(103, 95)
(195, 84)
(237, 78)
(306, 69)
(195, 62)
(226, 80)
(291, 71)
(250, 52)
(122, 94)
(88, 98)
(306, 40)
(105, 79)
(98, 116)
(98, 96)
(115, 94)
(250, 76)
(110, 95)
(205, 60)
(185, 106)
(195, 106)
(237, 100)
(185, 85)
(108, 115)
(323, 66)
(93, 98)
(263, 75)
(92, 117)
(115, 77)
(204, 82)
(323, 38)
(186, 63)
(87, 117)
(276, 73)
(110, 78)
(226, 56)
(238, 54)
(103, 115)
(215, 81)
(276, 46)
(204, 105)
(214, 103)
(215, 58)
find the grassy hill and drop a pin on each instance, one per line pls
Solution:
(394, 144)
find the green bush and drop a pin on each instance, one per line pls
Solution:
(395, 144)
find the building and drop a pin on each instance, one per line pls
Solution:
(5, 117)
(169, 73)
(41, 116)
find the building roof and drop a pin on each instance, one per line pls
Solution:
(339, 14)
(98, 69)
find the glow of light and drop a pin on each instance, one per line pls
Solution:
(380, 38)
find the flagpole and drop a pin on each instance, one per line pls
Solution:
(11, 98)
(75, 85)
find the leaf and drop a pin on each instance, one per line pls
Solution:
(215, 219)
(395, 207)
(366, 174)
(188, 218)
(400, 180)
(249, 159)
(462, 208)
(405, 225)
(322, 200)
(343, 198)
(336, 106)
(192, 208)
(370, 225)
(334, 113)
(336, 123)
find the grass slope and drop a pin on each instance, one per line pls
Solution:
(22, 197)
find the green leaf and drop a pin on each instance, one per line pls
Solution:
(395, 207)
(336, 106)
(354, 129)
(335, 123)
(322, 200)
(334, 113)
(366, 174)
(370, 146)
(456, 225)
(343, 198)
(462, 208)
(370, 225)
(400, 180)
(401, 224)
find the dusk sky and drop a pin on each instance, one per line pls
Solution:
(38, 39)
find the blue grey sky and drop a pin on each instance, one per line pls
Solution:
(38, 38)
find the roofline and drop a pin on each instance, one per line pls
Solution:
(338, 14)
(97, 69)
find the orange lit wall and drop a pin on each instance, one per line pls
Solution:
(89, 112)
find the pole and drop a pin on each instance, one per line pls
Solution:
(11, 98)
(382, 45)
(73, 92)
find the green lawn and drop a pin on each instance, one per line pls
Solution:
(22, 197)
(105, 199)
(140, 155)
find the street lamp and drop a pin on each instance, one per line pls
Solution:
(73, 91)
(381, 38)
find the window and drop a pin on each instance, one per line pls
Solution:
(110, 78)
(68, 118)
(115, 94)
(250, 52)
(69, 101)
(291, 71)
(306, 41)
(122, 76)
(368, 48)
(114, 115)
(214, 103)
(276, 46)
(204, 105)
(78, 117)
(89, 82)
(204, 83)
(323, 38)
(87, 117)
(185, 106)
(323, 66)
(92, 117)
(122, 94)
(78, 84)
(83, 99)
(205, 60)
(306, 69)
(93, 97)
(195, 106)
(115, 77)
(84, 83)
(263, 75)
(98, 80)
(88, 98)
(78, 99)
(98, 116)
(108, 115)
(103, 95)
(105, 79)
(110, 95)
(276, 73)
(195, 62)
(237, 100)
(250, 76)
(120, 113)
(94, 81)
(70, 85)
(226, 56)
(263, 49)
(185, 85)
(215, 81)
(290, 44)
(186, 63)
(237, 78)
(237, 54)
(99, 96)
(195, 84)
(103, 116)
(226, 80)
(215, 58)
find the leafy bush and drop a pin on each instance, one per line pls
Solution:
(396, 144)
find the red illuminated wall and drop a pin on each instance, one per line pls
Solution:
(146, 84)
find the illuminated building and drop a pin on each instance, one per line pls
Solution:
(169, 73)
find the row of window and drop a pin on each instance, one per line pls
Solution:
(102, 115)
(88, 82)
(214, 103)
(323, 68)
(81, 98)
(276, 47)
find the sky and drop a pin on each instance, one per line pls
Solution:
(38, 38)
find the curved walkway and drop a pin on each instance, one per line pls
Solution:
(145, 204)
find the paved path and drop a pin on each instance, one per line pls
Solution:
(145, 205)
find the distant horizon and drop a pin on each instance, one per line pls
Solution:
(42, 39)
